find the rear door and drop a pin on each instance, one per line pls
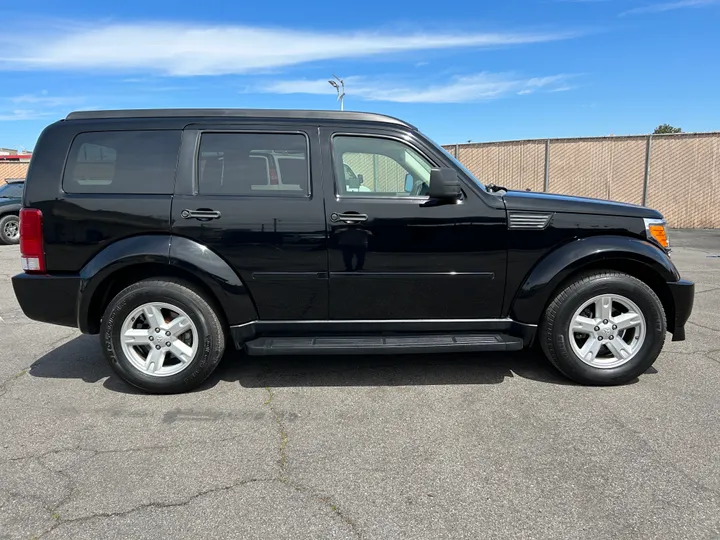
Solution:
(248, 193)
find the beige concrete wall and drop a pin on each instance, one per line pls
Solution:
(683, 180)
(10, 169)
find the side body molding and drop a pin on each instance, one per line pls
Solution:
(534, 294)
(185, 254)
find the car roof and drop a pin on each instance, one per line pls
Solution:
(239, 113)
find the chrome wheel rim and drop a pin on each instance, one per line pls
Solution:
(159, 339)
(607, 331)
(12, 230)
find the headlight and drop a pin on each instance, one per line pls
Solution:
(656, 231)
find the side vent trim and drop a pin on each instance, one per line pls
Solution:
(529, 220)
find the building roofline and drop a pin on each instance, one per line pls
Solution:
(238, 113)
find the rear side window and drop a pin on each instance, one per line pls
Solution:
(123, 162)
(253, 164)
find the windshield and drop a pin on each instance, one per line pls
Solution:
(456, 162)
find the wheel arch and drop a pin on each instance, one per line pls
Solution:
(134, 259)
(634, 257)
(12, 211)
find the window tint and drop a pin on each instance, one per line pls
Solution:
(368, 166)
(253, 164)
(12, 190)
(122, 162)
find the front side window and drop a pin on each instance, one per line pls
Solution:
(373, 166)
(122, 162)
(253, 164)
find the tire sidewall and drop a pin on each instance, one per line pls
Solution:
(206, 358)
(651, 309)
(4, 221)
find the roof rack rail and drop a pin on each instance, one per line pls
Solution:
(238, 113)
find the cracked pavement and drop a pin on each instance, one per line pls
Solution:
(460, 446)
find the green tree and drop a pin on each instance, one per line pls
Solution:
(666, 128)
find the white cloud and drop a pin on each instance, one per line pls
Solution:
(464, 89)
(36, 106)
(186, 49)
(21, 114)
(669, 6)
(43, 99)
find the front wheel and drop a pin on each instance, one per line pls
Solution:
(162, 336)
(10, 229)
(604, 328)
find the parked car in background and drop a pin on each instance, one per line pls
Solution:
(173, 232)
(10, 204)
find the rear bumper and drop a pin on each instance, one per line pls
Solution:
(50, 299)
(683, 294)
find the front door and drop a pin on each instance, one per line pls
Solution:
(393, 253)
(250, 194)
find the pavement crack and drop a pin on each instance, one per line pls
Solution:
(670, 464)
(330, 504)
(282, 460)
(7, 383)
(283, 475)
(145, 506)
(703, 326)
(707, 291)
(95, 452)
(707, 355)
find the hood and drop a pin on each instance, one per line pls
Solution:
(8, 200)
(548, 202)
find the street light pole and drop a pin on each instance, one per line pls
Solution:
(340, 90)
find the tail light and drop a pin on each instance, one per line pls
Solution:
(32, 253)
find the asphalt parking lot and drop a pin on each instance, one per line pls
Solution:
(459, 446)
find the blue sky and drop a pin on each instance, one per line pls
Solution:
(460, 70)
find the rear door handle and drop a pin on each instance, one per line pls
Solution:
(203, 214)
(349, 218)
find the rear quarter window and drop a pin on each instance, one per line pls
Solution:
(122, 162)
(12, 190)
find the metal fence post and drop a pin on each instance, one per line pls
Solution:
(457, 151)
(546, 180)
(375, 171)
(646, 177)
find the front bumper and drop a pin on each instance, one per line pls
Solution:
(50, 299)
(683, 294)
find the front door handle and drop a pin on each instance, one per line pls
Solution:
(349, 217)
(202, 214)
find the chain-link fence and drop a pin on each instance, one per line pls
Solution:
(677, 174)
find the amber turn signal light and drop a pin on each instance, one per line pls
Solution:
(656, 230)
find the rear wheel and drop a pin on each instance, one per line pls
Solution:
(162, 336)
(603, 328)
(10, 229)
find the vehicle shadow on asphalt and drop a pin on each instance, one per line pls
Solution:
(82, 358)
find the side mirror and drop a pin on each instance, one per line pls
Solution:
(409, 183)
(444, 184)
(360, 178)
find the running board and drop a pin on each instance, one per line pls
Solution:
(266, 346)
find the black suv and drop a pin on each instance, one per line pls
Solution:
(172, 232)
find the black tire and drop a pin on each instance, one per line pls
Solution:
(554, 329)
(10, 219)
(211, 336)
